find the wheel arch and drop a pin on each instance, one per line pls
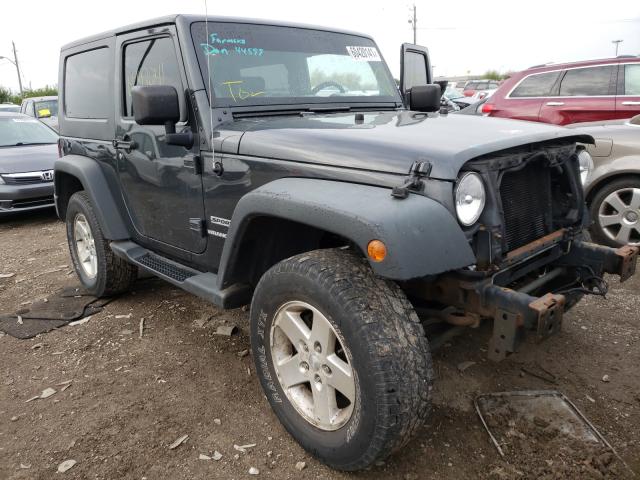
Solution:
(603, 181)
(76, 172)
(421, 235)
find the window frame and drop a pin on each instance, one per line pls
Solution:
(555, 90)
(121, 80)
(109, 111)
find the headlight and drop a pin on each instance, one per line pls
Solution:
(586, 165)
(1, 180)
(470, 198)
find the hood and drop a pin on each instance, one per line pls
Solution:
(28, 158)
(389, 141)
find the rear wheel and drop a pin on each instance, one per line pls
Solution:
(99, 270)
(615, 211)
(342, 357)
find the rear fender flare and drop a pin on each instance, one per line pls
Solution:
(94, 181)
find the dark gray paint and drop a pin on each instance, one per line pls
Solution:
(412, 229)
(95, 184)
(390, 141)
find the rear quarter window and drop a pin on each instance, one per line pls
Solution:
(86, 85)
(538, 85)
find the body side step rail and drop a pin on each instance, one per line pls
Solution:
(201, 284)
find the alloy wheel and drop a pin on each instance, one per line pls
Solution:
(312, 365)
(85, 246)
(619, 216)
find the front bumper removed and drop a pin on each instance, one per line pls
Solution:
(539, 291)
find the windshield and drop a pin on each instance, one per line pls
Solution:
(24, 131)
(51, 105)
(255, 65)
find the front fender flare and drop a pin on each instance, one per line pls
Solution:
(421, 235)
(94, 182)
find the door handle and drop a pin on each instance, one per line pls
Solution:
(630, 103)
(555, 104)
(125, 144)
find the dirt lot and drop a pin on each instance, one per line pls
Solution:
(131, 397)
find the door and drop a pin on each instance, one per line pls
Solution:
(160, 184)
(584, 95)
(628, 99)
(415, 67)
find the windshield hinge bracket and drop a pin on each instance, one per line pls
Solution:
(418, 170)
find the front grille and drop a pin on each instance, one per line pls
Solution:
(526, 203)
(27, 178)
(21, 180)
(32, 202)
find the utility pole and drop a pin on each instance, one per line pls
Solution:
(617, 42)
(413, 21)
(15, 57)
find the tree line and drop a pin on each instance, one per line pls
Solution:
(7, 96)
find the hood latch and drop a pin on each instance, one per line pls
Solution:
(418, 170)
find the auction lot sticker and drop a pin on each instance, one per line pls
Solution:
(364, 54)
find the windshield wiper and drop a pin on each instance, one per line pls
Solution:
(21, 144)
(344, 108)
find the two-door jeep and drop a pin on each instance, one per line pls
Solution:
(280, 165)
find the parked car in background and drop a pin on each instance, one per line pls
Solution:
(474, 108)
(28, 150)
(44, 109)
(612, 182)
(9, 107)
(476, 87)
(455, 96)
(568, 93)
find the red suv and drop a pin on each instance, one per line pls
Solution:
(569, 93)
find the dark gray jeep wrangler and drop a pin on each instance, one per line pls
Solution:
(280, 165)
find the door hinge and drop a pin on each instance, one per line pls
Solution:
(194, 164)
(197, 164)
(198, 225)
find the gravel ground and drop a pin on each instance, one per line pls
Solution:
(130, 398)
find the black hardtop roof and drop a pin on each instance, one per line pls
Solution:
(171, 19)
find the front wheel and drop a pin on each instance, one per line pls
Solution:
(342, 357)
(99, 270)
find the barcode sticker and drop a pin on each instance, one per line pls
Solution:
(364, 54)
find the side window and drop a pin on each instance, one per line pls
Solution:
(86, 84)
(415, 68)
(586, 82)
(632, 79)
(150, 62)
(538, 85)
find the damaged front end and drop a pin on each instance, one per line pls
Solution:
(532, 261)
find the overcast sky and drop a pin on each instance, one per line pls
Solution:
(462, 36)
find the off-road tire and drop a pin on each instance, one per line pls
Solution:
(389, 351)
(597, 234)
(114, 275)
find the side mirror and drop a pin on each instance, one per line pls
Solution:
(415, 67)
(159, 105)
(425, 98)
(44, 113)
